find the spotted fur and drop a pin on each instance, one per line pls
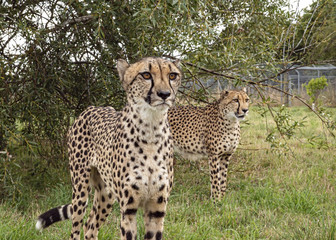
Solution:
(125, 156)
(212, 131)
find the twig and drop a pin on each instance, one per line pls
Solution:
(203, 69)
(253, 149)
(199, 81)
(189, 96)
(276, 123)
(304, 33)
(69, 22)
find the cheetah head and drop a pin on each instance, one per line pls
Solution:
(234, 104)
(150, 82)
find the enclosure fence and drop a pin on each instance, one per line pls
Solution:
(292, 81)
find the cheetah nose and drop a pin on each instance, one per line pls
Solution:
(245, 110)
(163, 94)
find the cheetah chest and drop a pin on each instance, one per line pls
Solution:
(227, 141)
(148, 169)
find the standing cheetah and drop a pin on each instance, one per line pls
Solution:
(211, 131)
(126, 156)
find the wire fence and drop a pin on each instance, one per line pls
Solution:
(292, 81)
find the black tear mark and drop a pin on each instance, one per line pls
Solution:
(148, 98)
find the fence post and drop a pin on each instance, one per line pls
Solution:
(290, 91)
(286, 89)
(298, 81)
(281, 87)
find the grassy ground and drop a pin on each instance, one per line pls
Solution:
(287, 194)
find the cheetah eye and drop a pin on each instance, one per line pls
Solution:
(235, 100)
(172, 76)
(146, 75)
(247, 100)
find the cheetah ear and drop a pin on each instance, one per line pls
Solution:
(177, 63)
(244, 89)
(223, 94)
(122, 65)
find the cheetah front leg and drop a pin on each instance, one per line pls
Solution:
(214, 165)
(155, 210)
(129, 204)
(222, 175)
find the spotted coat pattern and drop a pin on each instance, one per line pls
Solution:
(212, 131)
(125, 156)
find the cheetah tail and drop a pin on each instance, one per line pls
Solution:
(53, 215)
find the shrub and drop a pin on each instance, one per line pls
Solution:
(315, 87)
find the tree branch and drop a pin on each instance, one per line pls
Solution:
(81, 19)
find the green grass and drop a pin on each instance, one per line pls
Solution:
(270, 196)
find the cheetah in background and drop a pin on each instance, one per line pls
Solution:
(212, 131)
(126, 156)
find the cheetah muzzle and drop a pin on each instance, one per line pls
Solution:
(125, 156)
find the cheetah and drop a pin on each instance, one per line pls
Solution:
(125, 156)
(212, 131)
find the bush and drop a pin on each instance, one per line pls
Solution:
(315, 87)
(24, 174)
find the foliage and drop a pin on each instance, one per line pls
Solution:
(58, 56)
(315, 87)
(24, 173)
(316, 34)
(286, 126)
(9, 184)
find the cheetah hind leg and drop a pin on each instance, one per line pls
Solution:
(102, 206)
(80, 196)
